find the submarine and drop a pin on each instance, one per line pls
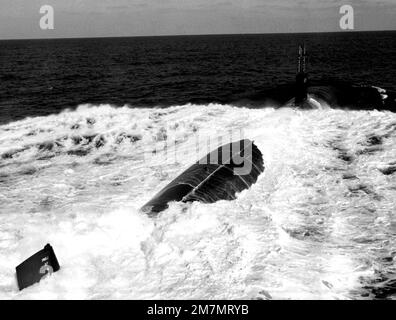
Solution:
(308, 93)
(220, 175)
(209, 181)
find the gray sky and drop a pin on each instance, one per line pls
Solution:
(101, 18)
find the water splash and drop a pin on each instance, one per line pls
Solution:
(319, 222)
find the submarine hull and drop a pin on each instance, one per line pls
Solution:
(220, 175)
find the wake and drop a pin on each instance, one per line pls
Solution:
(319, 222)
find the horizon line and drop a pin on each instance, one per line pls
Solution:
(198, 35)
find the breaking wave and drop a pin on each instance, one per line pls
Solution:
(319, 223)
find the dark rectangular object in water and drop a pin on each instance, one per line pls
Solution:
(36, 267)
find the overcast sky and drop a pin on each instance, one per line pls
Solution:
(102, 18)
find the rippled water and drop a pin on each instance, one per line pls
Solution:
(319, 223)
(42, 77)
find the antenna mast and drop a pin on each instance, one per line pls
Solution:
(302, 59)
(301, 88)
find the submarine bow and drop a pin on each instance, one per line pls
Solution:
(220, 175)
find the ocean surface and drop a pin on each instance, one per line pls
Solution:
(91, 129)
(42, 77)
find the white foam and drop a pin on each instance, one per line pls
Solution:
(302, 231)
